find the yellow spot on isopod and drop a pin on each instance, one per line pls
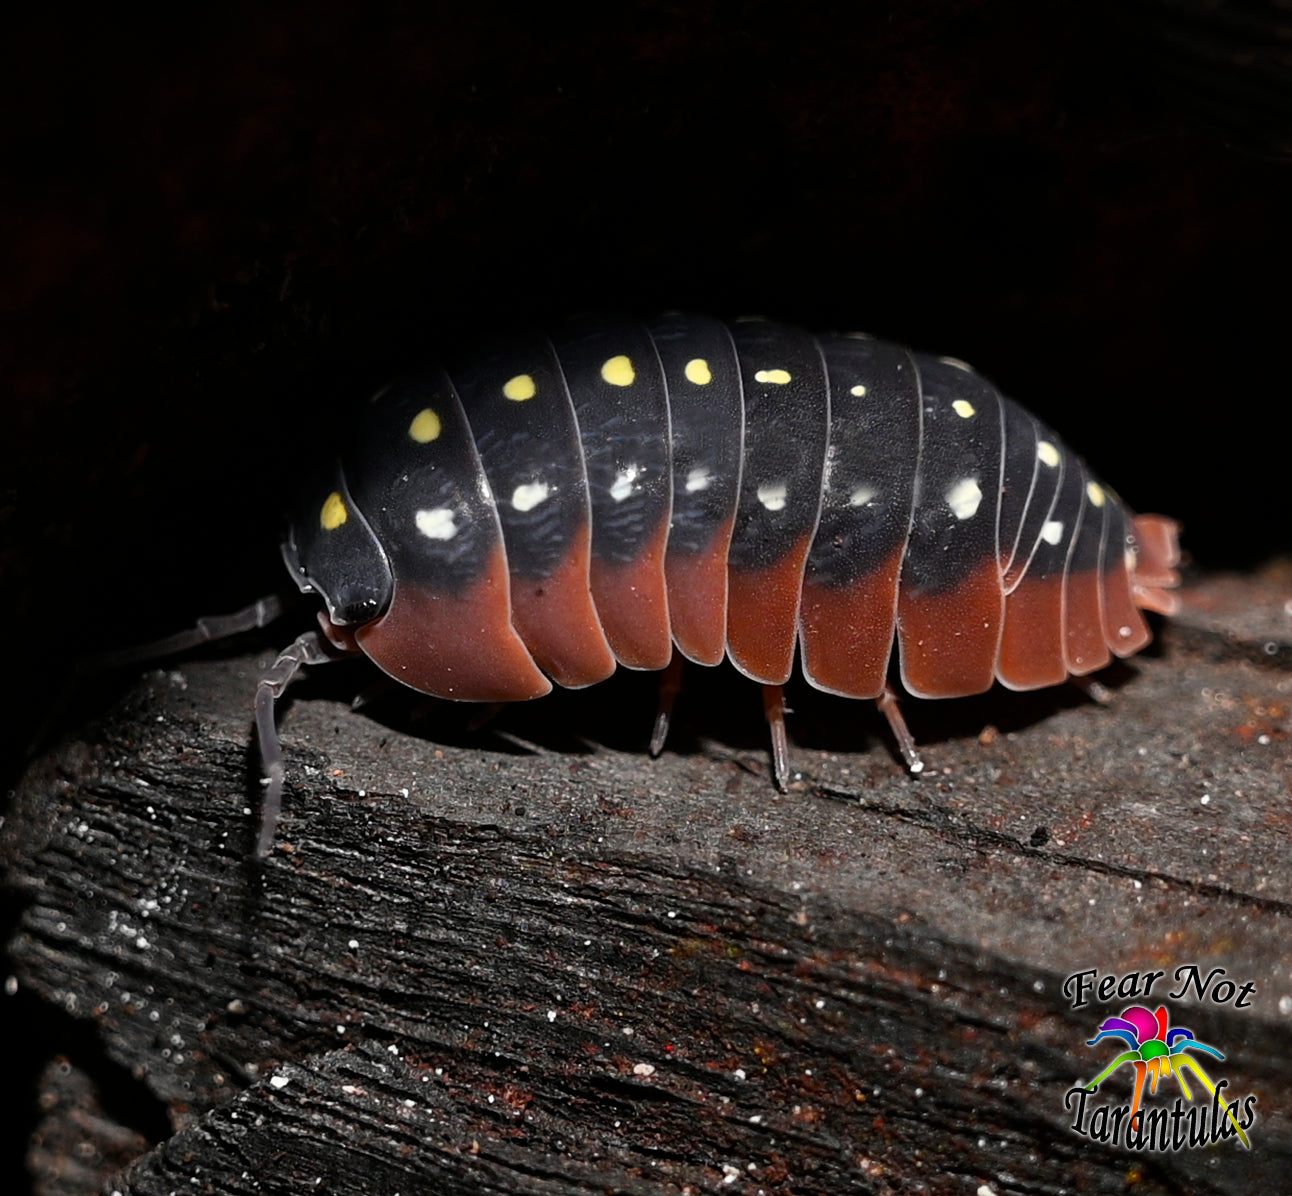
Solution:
(778, 377)
(425, 427)
(858, 391)
(618, 371)
(697, 371)
(334, 513)
(1047, 452)
(1095, 492)
(519, 388)
(963, 408)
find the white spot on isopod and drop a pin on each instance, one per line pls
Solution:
(776, 377)
(858, 391)
(1048, 454)
(963, 408)
(1095, 492)
(964, 497)
(772, 495)
(861, 496)
(436, 524)
(698, 479)
(622, 487)
(1052, 532)
(528, 496)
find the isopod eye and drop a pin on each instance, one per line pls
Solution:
(353, 609)
(330, 549)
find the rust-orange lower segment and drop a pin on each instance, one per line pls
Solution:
(949, 638)
(632, 604)
(557, 619)
(1084, 646)
(697, 598)
(1031, 643)
(846, 632)
(762, 616)
(460, 646)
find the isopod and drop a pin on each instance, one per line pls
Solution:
(641, 493)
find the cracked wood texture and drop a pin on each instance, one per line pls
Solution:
(527, 959)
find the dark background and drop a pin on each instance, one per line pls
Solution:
(216, 236)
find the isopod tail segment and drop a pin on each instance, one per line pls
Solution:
(641, 494)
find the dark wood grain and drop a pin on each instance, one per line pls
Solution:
(570, 970)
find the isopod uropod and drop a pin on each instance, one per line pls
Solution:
(635, 494)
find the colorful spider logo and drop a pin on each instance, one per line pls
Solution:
(1157, 1049)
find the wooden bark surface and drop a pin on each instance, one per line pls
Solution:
(476, 966)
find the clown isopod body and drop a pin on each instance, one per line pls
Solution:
(554, 508)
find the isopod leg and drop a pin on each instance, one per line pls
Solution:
(309, 648)
(888, 707)
(206, 630)
(774, 709)
(670, 685)
(1096, 691)
(483, 716)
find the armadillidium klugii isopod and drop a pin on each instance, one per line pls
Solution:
(555, 508)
